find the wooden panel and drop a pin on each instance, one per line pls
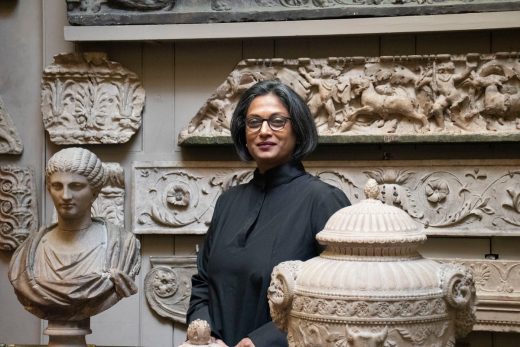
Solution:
(506, 248)
(257, 48)
(453, 43)
(459, 247)
(505, 40)
(397, 44)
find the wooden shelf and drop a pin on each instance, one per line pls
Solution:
(329, 27)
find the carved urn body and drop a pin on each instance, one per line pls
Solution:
(370, 287)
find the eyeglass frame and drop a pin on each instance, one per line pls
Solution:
(268, 120)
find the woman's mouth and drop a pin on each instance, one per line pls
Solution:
(265, 145)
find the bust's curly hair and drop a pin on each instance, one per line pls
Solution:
(79, 161)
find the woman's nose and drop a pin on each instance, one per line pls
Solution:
(265, 127)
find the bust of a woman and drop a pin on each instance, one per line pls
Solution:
(81, 265)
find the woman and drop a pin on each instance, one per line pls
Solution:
(79, 266)
(271, 219)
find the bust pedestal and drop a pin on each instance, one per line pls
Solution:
(68, 333)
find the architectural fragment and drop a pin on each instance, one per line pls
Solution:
(370, 286)
(109, 12)
(18, 211)
(10, 141)
(428, 98)
(498, 293)
(87, 99)
(477, 198)
(168, 286)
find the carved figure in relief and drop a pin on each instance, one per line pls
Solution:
(10, 141)
(449, 98)
(383, 104)
(323, 97)
(79, 266)
(273, 126)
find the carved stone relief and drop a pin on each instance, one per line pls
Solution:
(88, 99)
(109, 12)
(18, 211)
(10, 142)
(477, 198)
(168, 285)
(498, 293)
(430, 98)
(110, 203)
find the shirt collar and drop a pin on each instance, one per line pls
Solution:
(278, 175)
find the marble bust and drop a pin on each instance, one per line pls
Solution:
(79, 266)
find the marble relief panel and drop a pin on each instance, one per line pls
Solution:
(110, 12)
(10, 141)
(88, 99)
(453, 198)
(167, 286)
(498, 293)
(417, 98)
(18, 206)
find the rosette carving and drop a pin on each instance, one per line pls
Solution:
(168, 286)
(281, 290)
(18, 211)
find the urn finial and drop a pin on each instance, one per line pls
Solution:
(371, 189)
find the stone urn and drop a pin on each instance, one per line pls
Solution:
(371, 287)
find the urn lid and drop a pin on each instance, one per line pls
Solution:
(371, 222)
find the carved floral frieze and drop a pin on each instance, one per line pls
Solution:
(88, 99)
(18, 209)
(110, 203)
(419, 98)
(477, 198)
(10, 141)
(109, 12)
(167, 286)
(498, 293)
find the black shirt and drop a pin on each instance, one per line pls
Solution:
(255, 226)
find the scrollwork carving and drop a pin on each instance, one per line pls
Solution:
(87, 99)
(18, 211)
(168, 285)
(448, 198)
(381, 99)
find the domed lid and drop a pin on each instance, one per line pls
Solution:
(371, 222)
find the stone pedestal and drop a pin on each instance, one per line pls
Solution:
(68, 333)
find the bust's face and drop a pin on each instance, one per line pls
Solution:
(71, 193)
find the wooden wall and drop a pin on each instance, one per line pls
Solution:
(178, 77)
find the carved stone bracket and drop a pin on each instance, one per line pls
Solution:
(18, 211)
(419, 98)
(455, 198)
(10, 142)
(498, 293)
(110, 203)
(87, 99)
(168, 285)
(107, 12)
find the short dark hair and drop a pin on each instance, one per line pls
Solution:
(301, 122)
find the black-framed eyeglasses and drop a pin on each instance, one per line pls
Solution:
(275, 122)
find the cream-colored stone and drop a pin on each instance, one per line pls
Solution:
(80, 266)
(10, 141)
(454, 198)
(18, 206)
(88, 99)
(389, 98)
(167, 286)
(370, 287)
(199, 334)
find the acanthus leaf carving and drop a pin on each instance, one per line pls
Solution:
(87, 99)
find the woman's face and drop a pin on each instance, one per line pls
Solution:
(269, 148)
(71, 193)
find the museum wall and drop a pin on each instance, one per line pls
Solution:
(178, 77)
